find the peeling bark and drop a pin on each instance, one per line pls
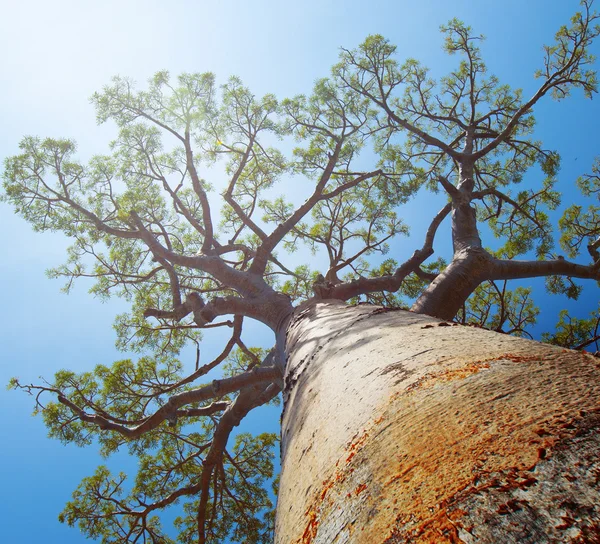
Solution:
(398, 427)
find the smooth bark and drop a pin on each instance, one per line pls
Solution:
(446, 294)
(398, 427)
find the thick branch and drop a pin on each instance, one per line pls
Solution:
(449, 290)
(248, 399)
(268, 310)
(469, 268)
(193, 302)
(510, 270)
(243, 282)
(218, 388)
(197, 186)
(449, 188)
(206, 411)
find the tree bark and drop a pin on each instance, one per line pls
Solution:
(446, 294)
(399, 427)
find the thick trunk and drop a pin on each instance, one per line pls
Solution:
(446, 294)
(400, 428)
(465, 234)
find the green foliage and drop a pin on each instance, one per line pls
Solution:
(124, 392)
(494, 306)
(98, 508)
(353, 225)
(141, 226)
(299, 287)
(575, 333)
(240, 501)
(171, 458)
(557, 285)
(579, 225)
(525, 226)
(106, 507)
(570, 54)
(244, 359)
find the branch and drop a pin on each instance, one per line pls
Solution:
(449, 188)
(382, 102)
(350, 184)
(266, 248)
(180, 207)
(363, 286)
(479, 195)
(218, 388)
(206, 411)
(560, 76)
(193, 303)
(425, 276)
(197, 186)
(248, 399)
(228, 195)
(267, 310)
(205, 369)
(587, 342)
(243, 282)
(509, 270)
(593, 249)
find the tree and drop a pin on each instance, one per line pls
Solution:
(448, 432)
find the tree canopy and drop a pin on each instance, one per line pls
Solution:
(196, 213)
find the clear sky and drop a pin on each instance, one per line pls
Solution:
(56, 54)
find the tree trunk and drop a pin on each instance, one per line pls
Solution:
(398, 427)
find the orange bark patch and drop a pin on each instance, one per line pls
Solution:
(468, 369)
(355, 446)
(360, 489)
(337, 479)
(311, 527)
(451, 438)
(400, 475)
(479, 416)
(448, 375)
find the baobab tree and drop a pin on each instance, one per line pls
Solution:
(398, 424)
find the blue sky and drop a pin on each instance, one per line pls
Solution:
(56, 54)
